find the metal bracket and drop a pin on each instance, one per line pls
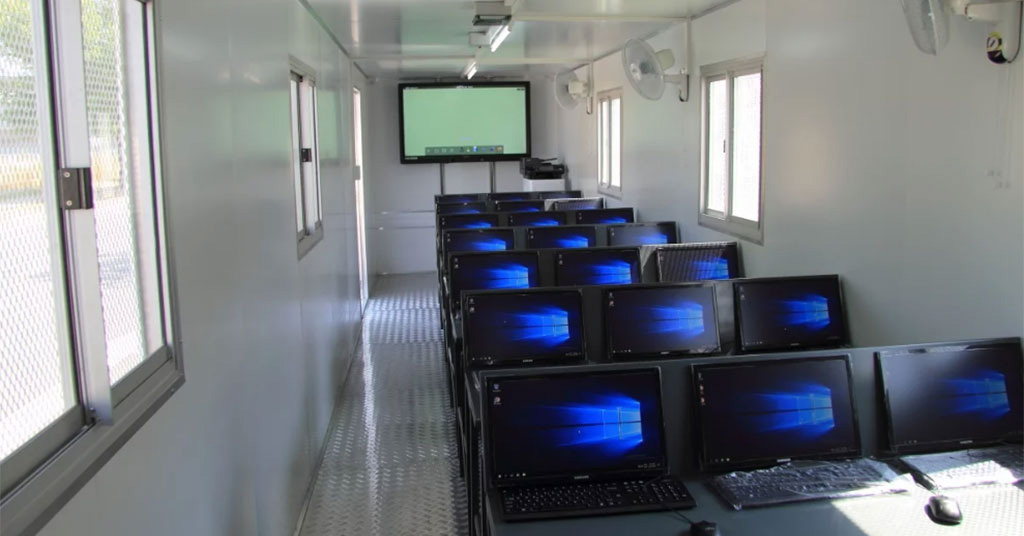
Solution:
(75, 188)
(306, 155)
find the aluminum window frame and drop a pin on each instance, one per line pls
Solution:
(604, 184)
(46, 471)
(306, 125)
(726, 222)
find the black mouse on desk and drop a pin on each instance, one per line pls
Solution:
(945, 510)
(704, 528)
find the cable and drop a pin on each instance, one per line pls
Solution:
(1020, 30)
(664, 504)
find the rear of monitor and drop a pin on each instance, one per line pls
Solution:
(642, 234)
(565, 237)
(702, 261)
(537, 219)
(605, 215)
(534, 205)
(582, 203)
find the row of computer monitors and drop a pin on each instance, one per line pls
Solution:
(536, 219)
(447, 199)
(750, 414)
(478, 207)
(549, 326)
(592, 266)
(564, 237)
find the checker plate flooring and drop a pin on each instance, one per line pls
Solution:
(390, 466)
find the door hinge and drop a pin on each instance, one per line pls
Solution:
(75, 188)
(307, 155)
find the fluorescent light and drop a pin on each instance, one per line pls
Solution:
(500, 37)
(470, 70)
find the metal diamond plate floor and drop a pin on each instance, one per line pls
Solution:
(390, 466)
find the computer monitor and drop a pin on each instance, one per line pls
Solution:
(572, 236)
(789, 313)
(535, 205)
(605, 215)
(574, 203)
(535, 327)
(952, 396)
(462, 208)
(572, 427)
(697, 262)
(562, 194)
(604, 266)
(763, 413)
(493, 270)
(510, 196)
(456, 198)
(642, 234)
(467, 221)
(663, 320)
(496, 239)
(537, 219)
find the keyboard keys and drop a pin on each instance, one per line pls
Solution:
(597, 498)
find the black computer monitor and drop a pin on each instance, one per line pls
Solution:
(510, 196)
(456, 198)
(789, 312)
(467, 221)
(573, 236)
(663, 320)
(642, 234)
(462, 208)
(533, 327)
(698, 262)
(492, 271)
(535, 205)
(762, 413)
(536, 219)
(605, 215)
(572, 427)
(495, 239)
(604, 266)
(559, 194)
(952, 396)
(575, 203)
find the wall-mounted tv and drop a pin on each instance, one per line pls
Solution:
(464, 122)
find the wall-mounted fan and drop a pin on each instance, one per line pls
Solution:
(570, 90)
(929, 24)
(645, 70)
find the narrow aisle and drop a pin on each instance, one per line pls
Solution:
(390, 466)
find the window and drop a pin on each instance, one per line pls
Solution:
(305, 158)
(609, 142)
(731, 166)
(86, 314)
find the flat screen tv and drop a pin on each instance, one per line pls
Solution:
(464, 122)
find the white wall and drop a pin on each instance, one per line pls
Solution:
(400, 200)
(267, 337)
(897, 170)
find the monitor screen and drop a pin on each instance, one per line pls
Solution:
(766, 412)
(464, 121)
(485, 271)
(698, 262)
(510, 196)
(467, 221)
(597, 267)
(534, 205)
(479, 240)
(605, 215)
(575, 236)
(571, 427)
(456, 198)
(796, 312)
(642, 234)
(664, 320)
(523, 327)
(559, 194)
(948, 396)
(462, 208)
(536, 219)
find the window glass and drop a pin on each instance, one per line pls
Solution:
(296, 122)
(616, 143)
(746, 154)
(717, 145)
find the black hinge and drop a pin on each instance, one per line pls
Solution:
(75, 188)
(306, 155)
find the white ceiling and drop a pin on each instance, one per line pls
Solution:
(430, 38)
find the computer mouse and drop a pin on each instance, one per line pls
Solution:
(944, 509)
(704, 528)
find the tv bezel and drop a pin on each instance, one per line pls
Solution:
(505, 157)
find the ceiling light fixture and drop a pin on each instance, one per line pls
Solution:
(500, 37)
(470, 70)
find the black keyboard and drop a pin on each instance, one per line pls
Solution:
(595, 499)
(806, 481)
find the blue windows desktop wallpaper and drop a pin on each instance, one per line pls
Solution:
(777, 409)
(638, 235)
(661, 319)
(605, 215)
(561, 237)
(788, 312)
(534, 325)
(500, 270)
(952, 395)
(573, 424)
(492, 240)
(598, 267)
(536, 219)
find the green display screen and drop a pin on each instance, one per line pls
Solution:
(464, 122)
